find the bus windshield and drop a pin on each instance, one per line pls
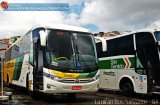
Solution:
(70, 51)
(157, 35)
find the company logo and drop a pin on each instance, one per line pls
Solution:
(121, 63)
(127, 63)
(115, 64)
(4, 4)
(77, 81)
(67, 75)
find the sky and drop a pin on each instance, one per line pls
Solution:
(96, 15)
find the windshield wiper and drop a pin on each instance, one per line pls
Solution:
(80, 55)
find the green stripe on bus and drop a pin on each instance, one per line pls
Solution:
(87, 75)
(17, 68)
(105, 64)
(119, 63)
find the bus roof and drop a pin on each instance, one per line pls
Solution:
(129, 33)
(63, 27)
(56, 26)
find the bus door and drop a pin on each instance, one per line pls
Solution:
(37, 61)
(147, 53)
(38, 70)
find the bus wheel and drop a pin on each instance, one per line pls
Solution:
(127, 88)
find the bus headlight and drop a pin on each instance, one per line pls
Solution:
(52, 76)
(57, 78)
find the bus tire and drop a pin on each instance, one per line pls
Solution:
(126, 86)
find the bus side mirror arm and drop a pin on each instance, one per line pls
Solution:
(104, 43)
(43, 37)
(158, 43)
(104, 48)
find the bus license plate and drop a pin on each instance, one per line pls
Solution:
(76, 87)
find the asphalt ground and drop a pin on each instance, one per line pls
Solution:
(21, 97)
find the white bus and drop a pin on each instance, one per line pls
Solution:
(130, 62)
(53, 59)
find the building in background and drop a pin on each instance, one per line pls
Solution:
(4, 44)
(107, 34)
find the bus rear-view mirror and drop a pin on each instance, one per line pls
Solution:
(43, 37)
(104, 44)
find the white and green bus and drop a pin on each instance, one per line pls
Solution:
(53, 59)
(130, 62)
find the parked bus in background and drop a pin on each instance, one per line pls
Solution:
(130, 62)
(53, 59)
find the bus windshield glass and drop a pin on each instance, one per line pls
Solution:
(70, 51)
(157, 35)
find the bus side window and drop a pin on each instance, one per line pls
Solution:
(31, 54)
(125, 46)
(111, 45)
(99, 49)
(8, 54)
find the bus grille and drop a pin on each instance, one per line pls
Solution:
(76, 80)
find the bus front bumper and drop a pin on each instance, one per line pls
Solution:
(54, 87)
